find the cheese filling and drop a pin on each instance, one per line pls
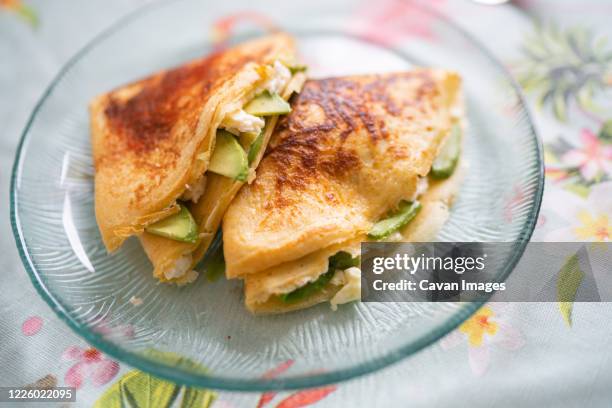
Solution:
(279, 78)
(351, 290)
(193, 192)
(239, 121)
(181, 267)
(421, 188)
(349, 279)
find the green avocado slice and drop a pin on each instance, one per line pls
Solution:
(406, 212)
(255, 147)
(179, 227)
(308, 289)
(246, 139)
(267, 104)
(229, 158)
(444, 165)
(343, 260)
(295, 68)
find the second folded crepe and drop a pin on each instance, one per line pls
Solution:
(353, 149)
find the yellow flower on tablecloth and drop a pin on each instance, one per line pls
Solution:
(598, 227)
(486, 329)
(478, 325)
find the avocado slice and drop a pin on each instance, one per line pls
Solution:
(341, 260)
(247, 138)
(179, 226)
(308, 289)
(444, 165)
(255, 147)
(295, 68)
(214, 261)
(405, 213)
(267, 104)
(229, 159)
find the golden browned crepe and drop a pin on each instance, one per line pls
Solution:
(173, 260)
(152, 139)
(349, 152)
(261, 287)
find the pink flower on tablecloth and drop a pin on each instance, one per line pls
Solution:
(297, 399)
(32, 325)
(484, 330)
(593, 158)
(266, 397)
(225, 27)
(307, 397)
(90, 364)
(389, 21)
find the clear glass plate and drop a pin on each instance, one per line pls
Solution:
(53, 216)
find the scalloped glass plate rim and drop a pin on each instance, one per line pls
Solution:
(212, 381)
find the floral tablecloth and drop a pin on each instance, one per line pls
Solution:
(548, 354)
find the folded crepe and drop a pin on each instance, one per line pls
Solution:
(174, 261)
(154, 144)
(353, 150)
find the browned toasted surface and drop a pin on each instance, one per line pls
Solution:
(141, 122)
(312, 142)
(351, 149)
(208, 211)
(147, 135)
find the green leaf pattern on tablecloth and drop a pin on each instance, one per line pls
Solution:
(568, 281)
(141, 390)
(563, 69)
(561, 66)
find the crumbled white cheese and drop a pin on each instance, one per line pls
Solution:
(239, 121)
(351, 290)
(421, 188)
(279, 78)
(136, 301)
(188, 278)
(395, 237)
(180, 268)
(295, 285)
(338, 278)
(193, 192)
